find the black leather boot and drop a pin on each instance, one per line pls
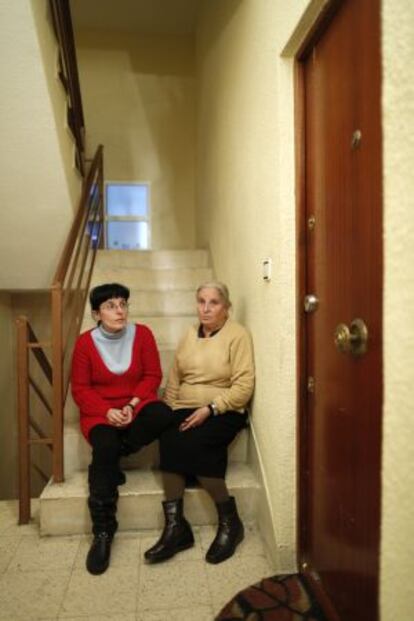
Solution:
(230, 532)
(97, 561)
(102, 508)
(176, 536)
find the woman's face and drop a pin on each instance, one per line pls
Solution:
(211, 309)
(113, 314)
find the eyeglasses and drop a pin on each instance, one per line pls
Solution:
(112, 306)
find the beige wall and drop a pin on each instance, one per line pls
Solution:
(246, 212)
(138, 93)
(397, 565)
(35, 197)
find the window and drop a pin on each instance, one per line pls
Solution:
(127, 216)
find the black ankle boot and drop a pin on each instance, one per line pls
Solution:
(97, 561)
(176, 536)
(230, 532)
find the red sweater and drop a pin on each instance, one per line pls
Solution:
(96, 389)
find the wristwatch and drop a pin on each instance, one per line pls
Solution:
(213, 409)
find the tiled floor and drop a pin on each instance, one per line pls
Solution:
(45, 578)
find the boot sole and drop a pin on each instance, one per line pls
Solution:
(168, 555)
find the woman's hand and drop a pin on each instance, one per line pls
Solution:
(196, 419)
(119, 418)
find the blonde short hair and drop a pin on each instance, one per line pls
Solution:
(220, 287)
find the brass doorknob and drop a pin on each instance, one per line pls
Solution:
(352, 339)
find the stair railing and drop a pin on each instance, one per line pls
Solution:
(68, 74)
(69, 290)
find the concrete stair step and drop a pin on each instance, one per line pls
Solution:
(152, 279)
(77, 455)
(154, 259)
(63, 506)
(167, 330)
(162, 303)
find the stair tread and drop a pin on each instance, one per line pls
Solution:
(139, 482)
(150, 268)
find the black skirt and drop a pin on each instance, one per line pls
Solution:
(203, 450)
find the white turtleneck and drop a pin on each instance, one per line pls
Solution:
(115, 348)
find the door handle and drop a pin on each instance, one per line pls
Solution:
(352, 339)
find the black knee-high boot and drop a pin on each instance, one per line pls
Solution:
(102, 503)
(230, 532)
(176, 536)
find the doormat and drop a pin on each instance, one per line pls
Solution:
(278, 598)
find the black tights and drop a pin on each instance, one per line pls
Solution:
(174, 486)
(110, 443)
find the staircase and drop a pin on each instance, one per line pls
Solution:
(162, 285)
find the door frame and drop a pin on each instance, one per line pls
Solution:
(315, 32)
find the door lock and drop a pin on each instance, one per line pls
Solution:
(352, 339)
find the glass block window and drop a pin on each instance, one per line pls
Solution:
(127, 216)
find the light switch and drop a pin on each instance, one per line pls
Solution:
(267, 269)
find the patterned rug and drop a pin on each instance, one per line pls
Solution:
(278, 598)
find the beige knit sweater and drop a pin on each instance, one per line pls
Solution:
(219, 368)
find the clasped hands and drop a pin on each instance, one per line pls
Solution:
(120, 417)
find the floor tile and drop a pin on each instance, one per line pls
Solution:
(9, 515)
(32, 595)
(172, 585)
(233, 575)
(112, 593)
(8, 547)
(252, 544)
(125, 551)
(198, 613)
(119, 617)
(36, 553)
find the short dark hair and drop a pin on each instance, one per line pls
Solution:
(102, 293)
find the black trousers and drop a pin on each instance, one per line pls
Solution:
(110, 443)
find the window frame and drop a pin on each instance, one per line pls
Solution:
(146, 219)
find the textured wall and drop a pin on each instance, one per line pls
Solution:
(246, 211)
(36, 201)
(397, 565)
(138, 93)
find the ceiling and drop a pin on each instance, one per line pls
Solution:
(136, 16)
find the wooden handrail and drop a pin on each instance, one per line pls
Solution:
(69, 76)
(71, 256)
(68, 298)
(78, 220)
(23, 419)
(69, 286)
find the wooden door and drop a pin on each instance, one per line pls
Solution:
(342, 391)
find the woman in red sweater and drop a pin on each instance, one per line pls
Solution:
(116, 373)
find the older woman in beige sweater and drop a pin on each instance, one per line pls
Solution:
(208, 389)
